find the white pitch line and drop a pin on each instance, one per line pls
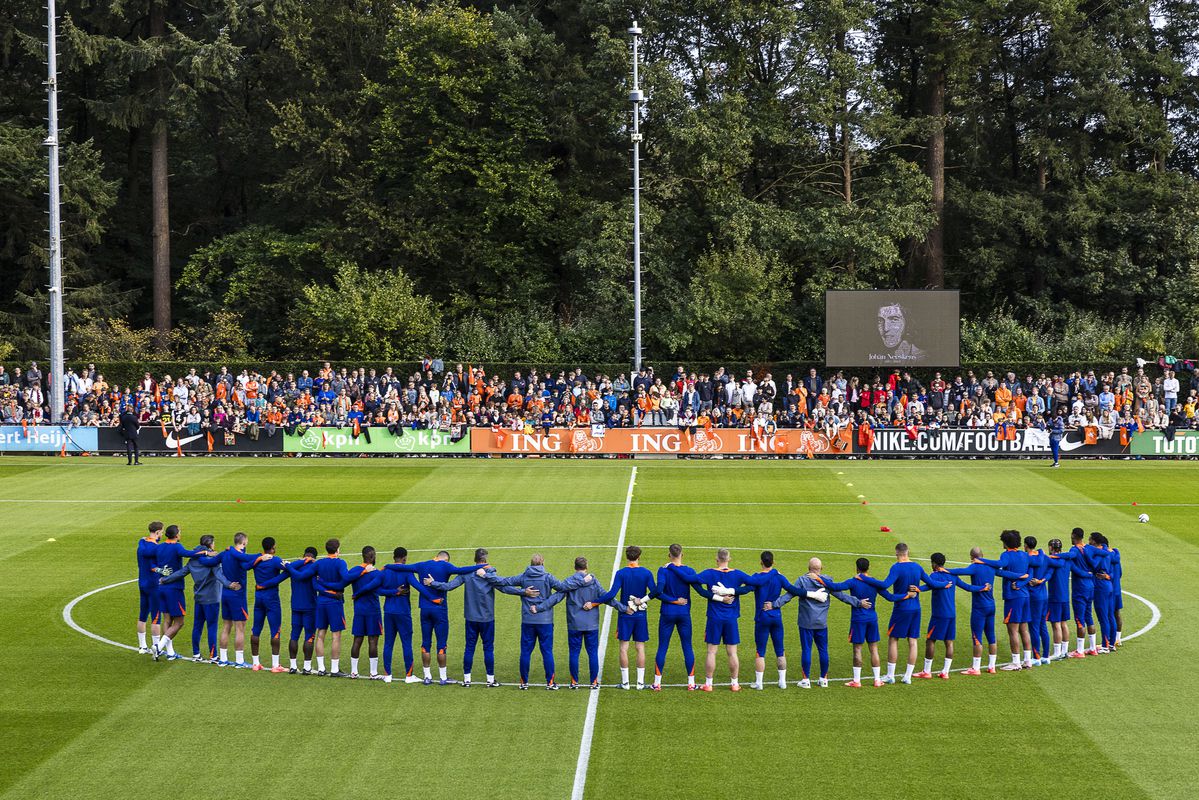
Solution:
(783, 503)
(584, 759)
(70, 620)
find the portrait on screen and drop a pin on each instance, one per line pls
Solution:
(891, 328)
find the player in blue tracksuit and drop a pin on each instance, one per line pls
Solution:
(674, 614)
(768, 620)
(943, 622)
(1057, 432)
(235, 562)
(1038, 601)
(904, 576)
(396, 588)
(724, 613)
(1082, 592)
(863, 621)
(172, 607)
(1058, 607)
(982, 611)
(582, 621)
(434, 615)
(478, 611)
(1013, 567)
(269, 571)
(1105, 601)
(629, 585)
(332, 577)
(368, 619)
(303, 608)
(207, 580)
(147, 586)
(812, 590)
(1117, 574)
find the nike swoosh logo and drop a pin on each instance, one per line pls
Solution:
(1067, 446)
(173, 442)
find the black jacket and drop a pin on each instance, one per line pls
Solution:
(128, 425)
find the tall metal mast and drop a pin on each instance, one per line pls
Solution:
(56, 358)
(637, 98)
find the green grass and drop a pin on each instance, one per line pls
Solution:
(81, 719)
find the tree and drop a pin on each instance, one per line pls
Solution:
(364, 315)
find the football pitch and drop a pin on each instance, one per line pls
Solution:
(84, 718)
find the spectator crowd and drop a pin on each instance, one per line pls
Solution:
(461, 396)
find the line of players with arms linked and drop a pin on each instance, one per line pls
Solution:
(1039, 591)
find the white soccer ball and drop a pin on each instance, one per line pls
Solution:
(1143, 518)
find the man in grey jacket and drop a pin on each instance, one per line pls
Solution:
(207, 580)
(536, 621)
(582, 619)
(478, 607)
(813, 618)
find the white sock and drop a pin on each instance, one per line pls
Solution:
(640, 676)
(928, 665)
(224, 654)
(1027, 656)
(307, 665)
(274, 660)
(758, 678)
(690, 680)
(441, 673)
(170, 646)
(624, 675)
(466, 677)
(782, 678)
(255, 660)
(857, 674)
(1092, 635)
(991, 660)
(977, 664)
(374, 662)
(1082, 644)
(335, 664)
(239, 656)
(907, 673)
(948, 662)
(491, 679)
(890, 669)
(877, 671)
(734, 681)
(707, 681)
(320, 663)
(353, 665)
(428, 674)
(293, 663)
(657, 677)
(141, 639)
(1119, 634)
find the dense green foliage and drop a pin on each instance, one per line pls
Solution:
(472, 160)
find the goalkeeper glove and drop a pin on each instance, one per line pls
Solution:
(720, 590)
(820, 596)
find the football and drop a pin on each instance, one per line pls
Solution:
(1143, 518)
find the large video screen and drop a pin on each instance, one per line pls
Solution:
(891, 329)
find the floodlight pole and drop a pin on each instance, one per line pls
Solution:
(637, 98)
(57, 400)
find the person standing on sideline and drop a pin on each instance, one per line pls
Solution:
(127, 425)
